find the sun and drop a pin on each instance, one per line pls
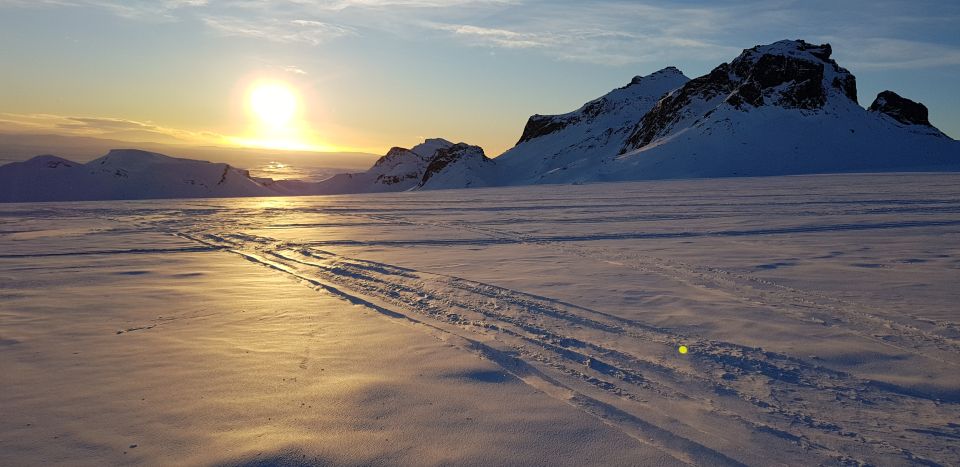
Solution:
(277, 118)
(273, 104)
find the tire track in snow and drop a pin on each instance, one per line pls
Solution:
(683, 449)
(805, 306)
(727, 383)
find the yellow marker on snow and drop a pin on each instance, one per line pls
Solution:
(683, 349)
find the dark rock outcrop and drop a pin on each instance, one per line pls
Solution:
(787, 74)
(900, 109)
(542, 125)
(446, 156)
(670, 109)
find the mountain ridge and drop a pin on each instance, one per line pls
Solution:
(785, 108)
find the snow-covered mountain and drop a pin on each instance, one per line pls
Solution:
(124, 174)
(777, 109)
(557, 146)
(135, 174)
(458, 166)
(435, 163)
(783, 108)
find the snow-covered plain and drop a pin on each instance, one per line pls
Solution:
(527, 325)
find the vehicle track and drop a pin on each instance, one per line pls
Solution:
(631, 369)
(806, 306)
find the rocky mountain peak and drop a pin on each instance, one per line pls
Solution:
(900, 109)
(427, 148)
(457, 153)
(402, 167)
(396, 151)
(392, 156)
(668, 72)
(790, 74)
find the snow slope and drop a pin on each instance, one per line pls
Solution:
(559, 146)
(777, 109)
(520, 325)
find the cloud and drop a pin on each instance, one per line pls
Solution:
(879, 53)
(103, 127)
(295, 70)
(308, 32)
(615, 34)
(891, 33)
(344, 4)
(497, 37)
(151, 10)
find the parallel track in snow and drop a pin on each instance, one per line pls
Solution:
(699, 408)
(803, 305)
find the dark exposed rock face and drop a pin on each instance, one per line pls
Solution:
(541, 125)
(446, 156)
(394, 179)
(788, 74)
(669, 109)
(900, 109)
(801, 77)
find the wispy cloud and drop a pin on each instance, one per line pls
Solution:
(879, 53)
(497, 37)
(294, 69)
(885, 33)
(151, 10)
(611, 33)
(344, 4)
(308, 32)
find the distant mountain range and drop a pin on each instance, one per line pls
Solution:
(137, 174)
(780, 109)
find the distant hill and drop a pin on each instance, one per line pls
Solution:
(123, 174)
(20, 147)
(138, 174)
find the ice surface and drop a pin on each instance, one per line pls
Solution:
(527, 325)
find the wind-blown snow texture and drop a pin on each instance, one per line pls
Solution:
(820, 313)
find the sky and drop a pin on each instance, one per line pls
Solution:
(366, 75)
